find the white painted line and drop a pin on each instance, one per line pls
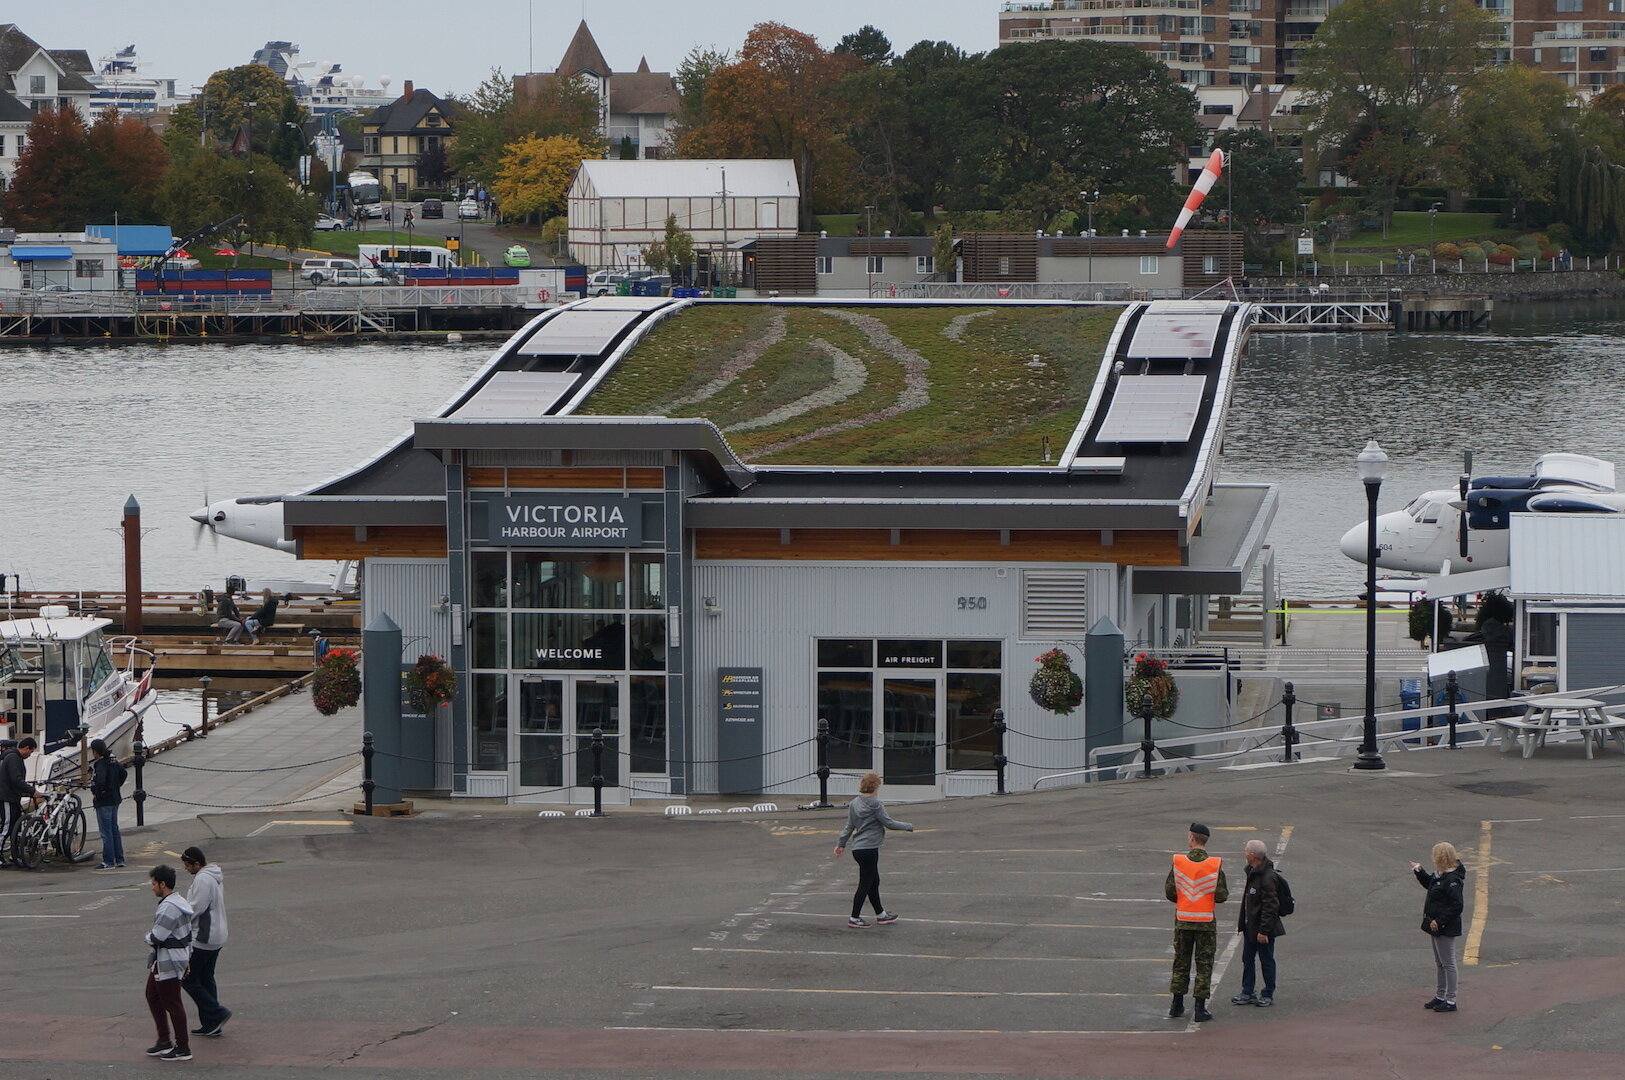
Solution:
(1003, 896)
(1514, 820)
(1594, 817)
(1165, 928)
(905, 1031)
(67, 892)
(41, 916)
(1122, 899)
(941, 956)
(1593, 870)
(897, 993)
(273, 824)
(1012, 873)
(1235, 939)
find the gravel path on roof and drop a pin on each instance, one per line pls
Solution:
(955, 330)
(742, 362)
(850, 378)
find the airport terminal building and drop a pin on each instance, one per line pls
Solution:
(633, 575)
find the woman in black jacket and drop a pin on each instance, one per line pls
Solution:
(1441, 919)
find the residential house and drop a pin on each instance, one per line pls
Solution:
(394, 135)
(637, 109)
(32, 78)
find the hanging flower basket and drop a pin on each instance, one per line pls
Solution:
(1055, 686)
(1150, 676)
(338, 681)
(430, 684)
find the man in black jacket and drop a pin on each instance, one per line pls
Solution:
(1260, 924)
(14, 788)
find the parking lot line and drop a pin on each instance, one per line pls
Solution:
(1160, 928)
(864, 992)
(943, 956)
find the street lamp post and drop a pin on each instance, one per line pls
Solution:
(1433, 219)
(1373, 465)
(1089, 199)
(869, 247)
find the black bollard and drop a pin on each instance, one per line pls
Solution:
(203, 707)
(597, 772)
(1452, 694)
(1147, 708)
(823, 765)
(999, 760)
(139, 755)
(366, 770)
(1289, 734)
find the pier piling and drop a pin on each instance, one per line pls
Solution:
(132, 566)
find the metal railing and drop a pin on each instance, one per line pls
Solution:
(326, 298)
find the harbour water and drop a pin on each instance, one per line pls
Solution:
(85, 427)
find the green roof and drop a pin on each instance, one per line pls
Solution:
(870, 384)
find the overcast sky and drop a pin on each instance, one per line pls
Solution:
(449, 47)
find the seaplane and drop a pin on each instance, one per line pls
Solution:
(1467, 528)
(258, 520)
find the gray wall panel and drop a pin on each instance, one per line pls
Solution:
(1594, 651)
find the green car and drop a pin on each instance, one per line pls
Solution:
(516, 256)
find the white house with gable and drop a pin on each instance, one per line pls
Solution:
(618, 208)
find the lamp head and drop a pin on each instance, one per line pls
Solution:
(1373, 463)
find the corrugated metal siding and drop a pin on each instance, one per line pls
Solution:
(405, 590)
(770, 614)
(1594, 652)
(1568, 555)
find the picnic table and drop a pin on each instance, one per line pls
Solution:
(1544, 714)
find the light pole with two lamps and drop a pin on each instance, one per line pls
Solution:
(1089, 199)
(1373, 465)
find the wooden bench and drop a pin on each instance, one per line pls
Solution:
(1522, 732)
(1601, 733)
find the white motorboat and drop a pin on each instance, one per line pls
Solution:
(60, 682)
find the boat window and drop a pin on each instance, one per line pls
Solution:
(96, 665)
(56, 676)
(10, 664)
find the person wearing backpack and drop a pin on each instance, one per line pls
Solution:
(107, 775)
(1264, 901)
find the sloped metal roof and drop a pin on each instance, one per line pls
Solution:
(747, 178)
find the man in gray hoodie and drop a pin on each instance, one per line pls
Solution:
(866, 825)
(208, 899)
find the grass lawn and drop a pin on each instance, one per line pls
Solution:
(984, 405)
(1411, 230)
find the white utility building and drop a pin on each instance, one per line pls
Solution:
(618, 208)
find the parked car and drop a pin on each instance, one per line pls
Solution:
(329, 223)
(358, 276)
(317, 271)
(433, 208)
(468, 210)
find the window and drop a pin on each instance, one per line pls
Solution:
(429, 142)
(1148, 264)
(875, 264)
(925, 264)
(36, 85)
(1569, 30)
(1567, 54)
(1004, 266)
(1211, 264)
(826, 264)
(432, 120)
(2, 146)
(22, 144)
(1598, 55)
(1218, 110)
(1568, 5)
(372, 145)
(87, 268)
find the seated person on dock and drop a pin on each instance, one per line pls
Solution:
(263, 618)
(228, 619)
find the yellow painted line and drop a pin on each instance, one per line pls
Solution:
(1481, 896)
(176, 854)
(898, 993)
(943, 956)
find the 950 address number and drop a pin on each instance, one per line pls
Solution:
(973, 603)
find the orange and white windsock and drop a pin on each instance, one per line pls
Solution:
(1204, 184)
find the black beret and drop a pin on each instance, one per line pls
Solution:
(1201, 830)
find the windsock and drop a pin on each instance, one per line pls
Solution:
(1204, 184)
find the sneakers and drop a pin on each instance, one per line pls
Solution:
(175, 1053)
(215, 1030)
(886, 917)
(1433, 1003)
(1448, 1006)
(858, 922)
(159, 1049)
(1243, 998)
(1264, 1002)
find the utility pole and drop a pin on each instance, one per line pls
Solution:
(252, 214)
(725, 275)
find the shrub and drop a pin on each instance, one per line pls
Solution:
(1447, 250)
(1489, 247)
(1508, 250)
(1500, 258)
(1473, 253)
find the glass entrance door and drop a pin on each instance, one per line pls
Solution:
(908, 710)
(553, 730)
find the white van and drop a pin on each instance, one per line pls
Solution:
(317, 271)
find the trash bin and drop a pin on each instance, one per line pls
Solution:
(726, 292)
(1410, 697)
(623, 288)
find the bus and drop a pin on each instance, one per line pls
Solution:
(397, 257)
(366, 195)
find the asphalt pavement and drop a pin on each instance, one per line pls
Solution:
(1034, 939)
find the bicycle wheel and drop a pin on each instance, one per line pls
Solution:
(30, 844)
(70, 836)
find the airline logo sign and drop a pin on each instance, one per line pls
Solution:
(739, 695)
(564, 521)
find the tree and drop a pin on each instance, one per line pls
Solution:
(1260, 184)
(286, 143)
(433, 167)
(226, 97)
(693, 76)
(1509, 122)
(779, 100)
(871, 47)
(1380, 76)
(45, 194)
(536, 173)
(495, 117)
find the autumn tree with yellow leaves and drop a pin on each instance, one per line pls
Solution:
(536, 174)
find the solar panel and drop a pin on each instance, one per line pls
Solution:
(1153, 409)
(578, 332)
(517, 395)
(1175, 335)
(612, 302)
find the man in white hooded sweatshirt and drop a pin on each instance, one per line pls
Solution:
(208, 899)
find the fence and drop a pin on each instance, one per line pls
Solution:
(325, 299)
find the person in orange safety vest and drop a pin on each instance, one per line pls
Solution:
(1194, 885)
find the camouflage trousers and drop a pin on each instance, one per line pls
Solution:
(1198, 944)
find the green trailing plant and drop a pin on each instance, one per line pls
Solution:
(430, 684)
(1421, 620)
(1496, 606)
(338, 681)
(1055, 686)
(1150, 677)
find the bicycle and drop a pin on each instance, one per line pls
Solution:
(55, 824)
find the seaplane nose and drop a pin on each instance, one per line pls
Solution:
(201, 516)
(1353, 543)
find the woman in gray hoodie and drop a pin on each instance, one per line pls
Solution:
(866, 825)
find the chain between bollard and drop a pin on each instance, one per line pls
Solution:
(1289, 734)
(1452, 694)
(1147, 746)
(598, 772)
(367, 785)
(999, 760)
